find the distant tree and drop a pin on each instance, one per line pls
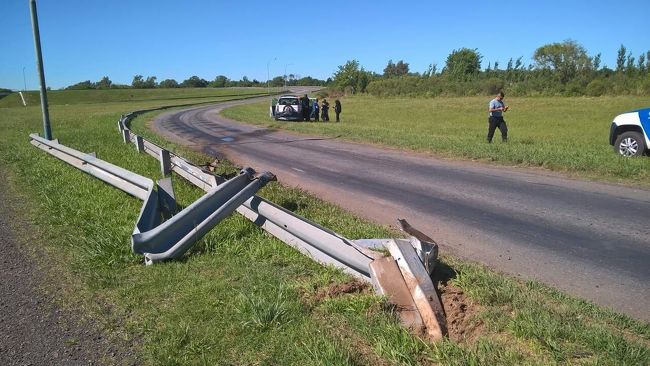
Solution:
(168, 83)
(519, 64)
(401, 68)
(104, 83)
(219, 81)
(620, 59)
(277, 81)
(463, 64)
(596, 62)
(84, 85)
(138, 82)
(566, 59)
(641, 64)
(351, 77)
(194, 82)
(150, 83)
(432, 70)
(245, 82)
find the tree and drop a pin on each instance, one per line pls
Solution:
(641, 64)
(104, 83)
(137, 82)
(352, 77)
(620, 59)
(168, 83)
(150, 83)
(596, 62)
(219, 81)
(566, 59)
(194, 82)
(463, 64)
(401, 68)
(84, 85)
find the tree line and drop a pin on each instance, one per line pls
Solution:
(563, 68)
(220, 81)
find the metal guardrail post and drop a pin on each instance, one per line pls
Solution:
(165, 163)
(139, 143)
(126, 136)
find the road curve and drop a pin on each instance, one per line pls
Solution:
(588, 239)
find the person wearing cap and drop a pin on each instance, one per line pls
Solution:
(496, 108)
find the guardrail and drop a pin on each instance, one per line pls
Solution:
(404, 278)
(171, 239)
(313, 240)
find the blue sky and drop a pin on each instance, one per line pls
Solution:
(86, 40)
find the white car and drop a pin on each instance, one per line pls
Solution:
(629, 133)
(287, 108)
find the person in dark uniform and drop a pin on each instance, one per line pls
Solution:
(315, 110)
(304, 103)
(337, 109)
(496, 108)
(325, 107)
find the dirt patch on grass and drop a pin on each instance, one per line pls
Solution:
(339, 289)
(462, 325)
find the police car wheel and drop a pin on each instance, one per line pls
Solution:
(630, 144)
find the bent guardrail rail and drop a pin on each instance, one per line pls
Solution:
(171, 239)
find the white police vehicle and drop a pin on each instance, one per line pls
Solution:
(630, 132)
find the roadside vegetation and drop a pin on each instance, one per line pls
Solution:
(243, 297)
(564, 134)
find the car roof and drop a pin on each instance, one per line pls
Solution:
(288, 96)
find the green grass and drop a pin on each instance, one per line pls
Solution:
(561, 134)
(64, 97)
(242, 297)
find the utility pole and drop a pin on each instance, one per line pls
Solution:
(41, 74)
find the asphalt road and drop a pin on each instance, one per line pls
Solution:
(589, 239)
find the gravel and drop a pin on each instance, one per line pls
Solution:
(34, 328)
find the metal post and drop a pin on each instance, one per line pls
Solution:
(47, 131)
(24, 80)
(268, 88)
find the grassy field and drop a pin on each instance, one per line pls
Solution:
(561, 134)
(241, 297)
(61, 97)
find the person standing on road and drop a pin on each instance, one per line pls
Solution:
(496, 109)
(315, 110)
(337, 109)
(325, 107)
(304, 103)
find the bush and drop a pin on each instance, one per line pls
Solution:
(597, 87)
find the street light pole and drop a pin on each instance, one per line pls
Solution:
(41, 74)
(268, 89)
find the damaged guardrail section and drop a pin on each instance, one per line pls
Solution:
(155, 239)
(161, 233)
(405, 281)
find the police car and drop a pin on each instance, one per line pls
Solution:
(630, 132)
